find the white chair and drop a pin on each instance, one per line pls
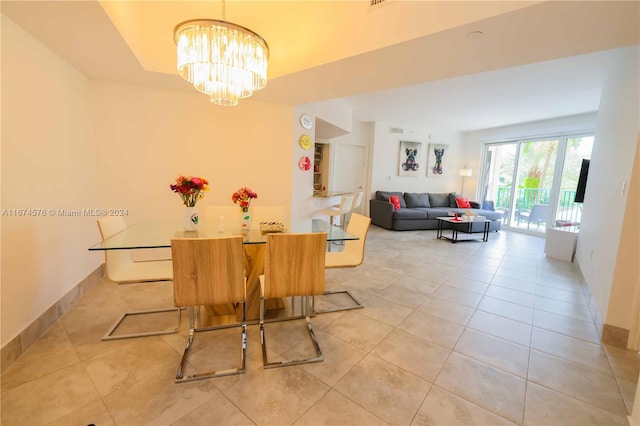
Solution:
(209, 271)
(122, 269)
(293, 266)
(345, 206)
(266, 214)
(357, 201)
(350, 257)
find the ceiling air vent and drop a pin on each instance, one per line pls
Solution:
(397, 130)
(374, 2)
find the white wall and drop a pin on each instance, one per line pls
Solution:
(604, 206)
(146, 137)
(48, 162)
(69, 142)
(386, 155)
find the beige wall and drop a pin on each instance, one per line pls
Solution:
(69, 142)
(605, 203)
(48, 162)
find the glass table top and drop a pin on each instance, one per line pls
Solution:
(158, 234)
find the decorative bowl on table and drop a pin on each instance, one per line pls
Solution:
(270, 227)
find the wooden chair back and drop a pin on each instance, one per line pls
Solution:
(294, 265)
(207, 271)
(354, 249)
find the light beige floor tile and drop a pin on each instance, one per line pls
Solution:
(580, 351)
(504, 328)
(434, 329)
(561, 295)
(628, 391)
(456, 295)
(358, 330)
(121, 368)
(385, 390)
(418, 283)
(335, 409)
(510, 295)
(476, 275)
(276, 396)
(492, 389)
(402, 296)
(157, 400)
(469, 284)
(519, 274)
(339, 358)
(565, 325)
(441, 408)
(50, 353)
(514, 284)
(625, 363)
(446, 310)
(48, 398)
(592, 386)
(546, 407)
(506, 309)
(559, 307)
(218, 410)
(493, 351)
(94, 413)
(417, 356)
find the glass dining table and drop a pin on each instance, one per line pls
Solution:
(158, 235)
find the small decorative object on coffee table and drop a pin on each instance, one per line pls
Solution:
(468, 225)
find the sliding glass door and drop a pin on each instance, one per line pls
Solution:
(533, 182)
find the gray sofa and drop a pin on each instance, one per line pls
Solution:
(420, 210)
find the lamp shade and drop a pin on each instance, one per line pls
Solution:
(466, 172)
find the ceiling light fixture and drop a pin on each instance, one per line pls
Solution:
(224, 60)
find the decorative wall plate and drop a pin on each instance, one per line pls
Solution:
(304, 163)
(305, 141)
(306, 122)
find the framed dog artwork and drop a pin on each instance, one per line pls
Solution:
(436, 164)
(410, 159)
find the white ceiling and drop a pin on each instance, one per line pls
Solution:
(406, 62)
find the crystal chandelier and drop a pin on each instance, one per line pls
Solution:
(224, 60)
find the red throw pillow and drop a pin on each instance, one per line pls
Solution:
(395, 200)
(463, 203)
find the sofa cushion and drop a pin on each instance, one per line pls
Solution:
(433, 213)
(384, 196)
(404, 214)
(452, 199)
(439, 200)
(414, 200)
(463, 203)
(393, 199)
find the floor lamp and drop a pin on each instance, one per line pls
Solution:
(465, 173)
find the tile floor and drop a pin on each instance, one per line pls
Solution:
(471, 333)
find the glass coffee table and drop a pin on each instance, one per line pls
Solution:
(464, 227)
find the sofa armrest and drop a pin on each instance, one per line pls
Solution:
(381, 213)
(474, 204)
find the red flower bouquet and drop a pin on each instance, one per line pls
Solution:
(190, 189)
(242, 197)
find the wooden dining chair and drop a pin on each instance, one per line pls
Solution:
(350, 257)
(209, 271)
(121, 268)
(293, 266)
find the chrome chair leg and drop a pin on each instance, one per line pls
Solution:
(180, 377)
(263, 341)
(109, 334)
(358, 304)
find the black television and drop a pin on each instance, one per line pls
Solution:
(582, 182)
